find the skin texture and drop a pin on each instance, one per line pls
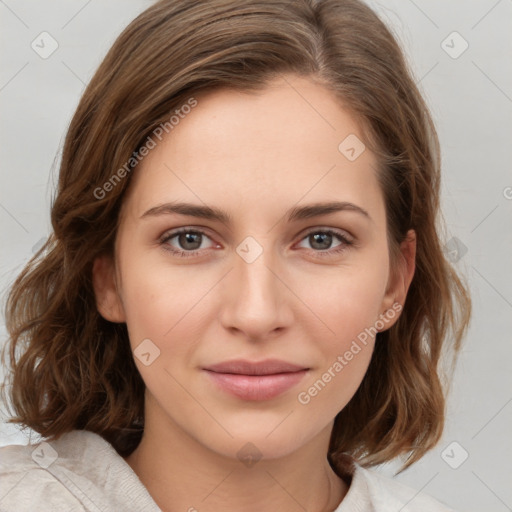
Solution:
(256, 157)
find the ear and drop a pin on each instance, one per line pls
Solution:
(400, 280)
(104, 283)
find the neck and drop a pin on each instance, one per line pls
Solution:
(181, 474)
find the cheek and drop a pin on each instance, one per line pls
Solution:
(165, 306)
(349, 306)
(158, 301)
(346, 300)
(345, 355)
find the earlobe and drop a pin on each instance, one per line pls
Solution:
(401, 277)
(108, 300)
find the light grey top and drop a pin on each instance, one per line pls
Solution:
(82, 472)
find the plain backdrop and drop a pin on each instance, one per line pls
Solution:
(460, 53)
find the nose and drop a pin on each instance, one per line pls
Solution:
(256, 300)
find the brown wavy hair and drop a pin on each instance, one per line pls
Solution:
(72, 369)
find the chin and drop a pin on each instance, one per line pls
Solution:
(254, 442)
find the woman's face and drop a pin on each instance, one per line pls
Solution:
(262, 269)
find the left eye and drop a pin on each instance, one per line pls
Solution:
(322, 240)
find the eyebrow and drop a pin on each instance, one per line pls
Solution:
(213, 213)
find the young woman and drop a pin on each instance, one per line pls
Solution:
(244, 301)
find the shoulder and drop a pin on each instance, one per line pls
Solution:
(79, 471)
(375, 492)
(389, 494)
(26, 483)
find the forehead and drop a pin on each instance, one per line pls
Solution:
(281, 143)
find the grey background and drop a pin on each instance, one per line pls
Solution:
(471, 101)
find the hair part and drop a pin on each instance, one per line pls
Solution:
(71, 369)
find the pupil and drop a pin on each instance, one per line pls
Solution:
(322, 237)
(188, 238)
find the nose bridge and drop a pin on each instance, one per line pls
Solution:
(256, 279)
(255, 299)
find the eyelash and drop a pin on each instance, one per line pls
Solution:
(345, 242)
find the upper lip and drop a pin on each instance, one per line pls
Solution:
(266, 367)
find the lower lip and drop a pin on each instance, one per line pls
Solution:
(256, 387)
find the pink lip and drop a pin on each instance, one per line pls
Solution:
(256, 380)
